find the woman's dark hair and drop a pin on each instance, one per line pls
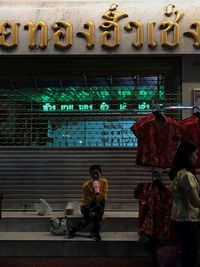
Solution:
(181, 158)
(95, 167)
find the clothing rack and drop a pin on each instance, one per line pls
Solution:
(158, 108)
(180, 108)
(158, 113)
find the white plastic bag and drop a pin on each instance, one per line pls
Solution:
(43, 207)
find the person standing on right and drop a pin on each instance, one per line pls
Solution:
(185, 212)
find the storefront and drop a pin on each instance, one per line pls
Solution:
(75, 76)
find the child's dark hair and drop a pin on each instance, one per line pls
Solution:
(181, 158)
(95, 167)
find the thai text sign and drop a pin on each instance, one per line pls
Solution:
(100, 28)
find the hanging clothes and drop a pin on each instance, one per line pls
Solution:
(154, 211)
(187, 121)
(157, 140)
(191, 132)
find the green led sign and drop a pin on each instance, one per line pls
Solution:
(85, 107)
(125, 92)
(104, 106)
(66, 107)
(84, 95)
(123, 106)
(49, 107)
(144, 106)
(101, 107)
(105, 93)
(149, 92)
(103, 99)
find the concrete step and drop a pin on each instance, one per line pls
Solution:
(28, 194)
(44, 249)
(31, 222)
(59, 203)
(42, 244)
(76, 261)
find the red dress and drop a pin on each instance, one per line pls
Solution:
(191, 132)
(157, 143)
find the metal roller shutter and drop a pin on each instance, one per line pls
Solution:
(32, 169)
(57, 175)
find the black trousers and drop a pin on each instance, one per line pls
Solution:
(92, 213)
(187, 234)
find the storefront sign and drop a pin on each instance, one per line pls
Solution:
(96, 28)
(51, 107)
(102, 107)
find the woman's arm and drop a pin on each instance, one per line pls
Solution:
(194, 197)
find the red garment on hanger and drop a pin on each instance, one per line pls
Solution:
(154, 211)
(187, 121)
(191, 132)
(157, 143)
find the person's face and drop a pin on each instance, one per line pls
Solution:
(95, 174)
(193, 157)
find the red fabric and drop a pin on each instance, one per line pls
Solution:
(139, 123)
(157, 143)
(191, 132)
(154, 211)
(187, 121)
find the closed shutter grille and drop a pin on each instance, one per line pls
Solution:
(58, 174)
(31, 168)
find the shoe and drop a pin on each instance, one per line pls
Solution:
(95, 236)
(72, 232)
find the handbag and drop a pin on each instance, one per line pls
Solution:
(59, 226)
(167, 256)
